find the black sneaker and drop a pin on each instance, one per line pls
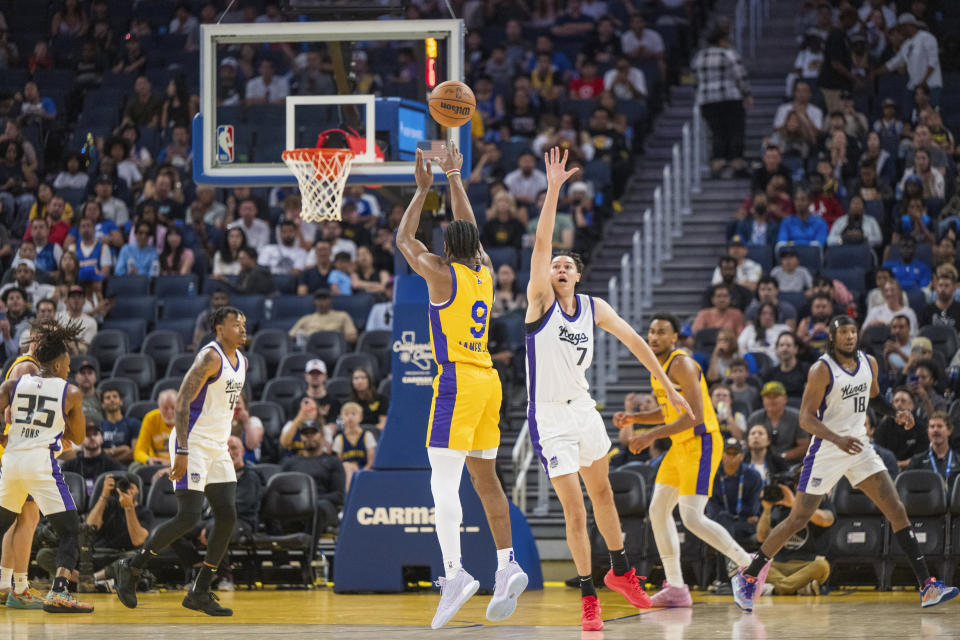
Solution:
(126, 583)
(206, 602)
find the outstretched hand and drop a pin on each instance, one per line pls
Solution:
(452, 158)
(422, 172)
(557, 172)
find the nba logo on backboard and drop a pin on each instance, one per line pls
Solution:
(225, 143)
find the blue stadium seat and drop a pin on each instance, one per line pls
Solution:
(175, 286)
(796, 298)
(357, 305)
(129, 307)
(848, 256)
(183, 326)
(854, 278)
(762, 254)
(809, 256)
(292, 307)
(252, 308)
(212, 285)
(503, 255)
(924, 253)
(177, 308)
(135, 328)
(286, 284)
(126, 286)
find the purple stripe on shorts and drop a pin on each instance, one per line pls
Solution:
(182, 482)
(68, 502)
(808, 463)
(706, 464)
(700, 429)
(444, 405)
(532, 395)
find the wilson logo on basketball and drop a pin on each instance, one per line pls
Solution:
(455, 108)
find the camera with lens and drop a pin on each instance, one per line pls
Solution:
(772, 492)
(121, 485)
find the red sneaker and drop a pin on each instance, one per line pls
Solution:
(629, 585)
(591, 620)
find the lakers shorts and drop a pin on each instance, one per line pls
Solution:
(690, 465)
(37, 474)
(465, 412)
(207, 463)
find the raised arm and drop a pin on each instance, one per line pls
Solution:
(813, 394)
(430, 266)
(206, 365)
(451, 163)
(539, 290)
(608, 320)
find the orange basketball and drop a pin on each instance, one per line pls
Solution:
(452, 103)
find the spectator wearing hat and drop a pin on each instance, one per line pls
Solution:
(230, 89)
(740, 296)
(790, 276)
(317, 461)
(939, 457)
(25, 272)
(720, 313)
(86, 380)
(782, 423)
(119, 432)
(735, 502)
(856, 228)
(748, 271)
(920, 55)
(325, 318)
(892, 307)
(315, 375)
(789, 372)
(112, 207)
(910, 273)
(888, 127)
(944, 311)
(74, 313)
(93, 460)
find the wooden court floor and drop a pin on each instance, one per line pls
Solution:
(551, 613)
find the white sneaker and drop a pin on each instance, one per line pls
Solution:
(454, 593)
(510, 583)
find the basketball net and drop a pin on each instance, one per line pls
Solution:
(322, 175)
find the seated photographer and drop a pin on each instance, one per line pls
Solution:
(801, 566)
(93, 461)
(735, 502)
(117, 524)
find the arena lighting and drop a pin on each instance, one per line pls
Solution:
(431, 62)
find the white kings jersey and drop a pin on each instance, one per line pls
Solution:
(38, 414)
(559, 352)
(211, 412)
(844, 406)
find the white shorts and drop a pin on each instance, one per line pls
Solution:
(567, 435)
(207, 463)
(825, 464)
(34, 473)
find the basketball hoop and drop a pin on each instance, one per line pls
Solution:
(322, 174)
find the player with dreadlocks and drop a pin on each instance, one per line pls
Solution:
(464, 418)
(840, 386)
(45, 411)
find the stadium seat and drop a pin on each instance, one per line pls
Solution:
(286, 284)
(810, 257)
(181, 307)
(917, 299)
(630, 497)
(853, 278)
(182, 326)
(139, 409)
(873, 339)
(293, 364)
(762, 254)
(107, 346)
(384, 387)
(379, 344)
(162, 385)
(135, 307)
(162, 501)
(328, 345)
(271, 415)
(857, 537)
(76, 361)
(503, 255)
(256, 372)
(267, 471)
(350, 361)
(924, 253)
(273, 345)
(78, 489)
(163, 346)
(924, 496)
(252, 308)
(135, 328)
(285, 392)
(293, 307)
(944, 339)
(127, 389)
(845, 256)
(796, 298)
(175, 286)
(290, 503)
(124, 286)
(212, 285)
(137, 367)
(357, 305)
(705, 340)
(339, 388)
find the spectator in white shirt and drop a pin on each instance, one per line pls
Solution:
(749, 272)
(920, 54)
(869, 6)
(625, 82)
(855, 228)
(183, 22)
(381, 314)
(71, 177)
(267, 88)
(257, 231)
(640, 42)
(207, 207)
(25, 279)
(113, 209)
(811, 116)
(287, 257)
(526, 181)
(74, 313)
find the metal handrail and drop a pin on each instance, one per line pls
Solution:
(522, 456)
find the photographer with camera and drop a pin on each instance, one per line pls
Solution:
(93, 461)
(801, 566)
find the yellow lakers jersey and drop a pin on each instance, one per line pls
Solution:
(459, 327)
(24, 358)
(708, 422)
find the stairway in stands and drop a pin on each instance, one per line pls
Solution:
(695, 254)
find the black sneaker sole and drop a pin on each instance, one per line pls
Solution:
(126, 581)
(49, 608)
(220, 612)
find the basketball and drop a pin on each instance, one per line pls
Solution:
(452, 103)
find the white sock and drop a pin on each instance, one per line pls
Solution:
(695, 520)
(504, 557)
(447, 468)
(6, 578)
(665, 531)
(20, 582)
